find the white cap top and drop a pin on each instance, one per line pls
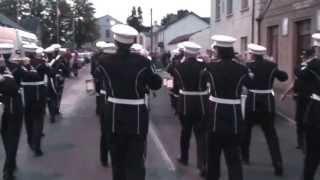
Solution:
(136, 48)
(256, 49)
(20, 58)
(6, 48)
(110, 48)
(180, 46)
(39, 50)
(56, 47)
(124, 34)
(191, 47)
(316, 39)
(223, 41)
(63, 50)
(101, 44)
(30, 48)
(175, 51)
(49, 49)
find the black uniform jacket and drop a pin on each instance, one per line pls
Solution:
(9, 95)
(263, 75)
(310, 75)
(226, 79)
(58, 69)
(187, 79)
(301, 88)
(128, 76)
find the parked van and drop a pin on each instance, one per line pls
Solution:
(17, 38)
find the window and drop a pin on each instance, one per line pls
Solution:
(244, 44)
(244, 4)
(303, 38)
(108, 33)
(218, 9)
(229, 7)
(273, 42)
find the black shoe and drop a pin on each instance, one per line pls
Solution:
(105, 163)
(183, 161)
(245, 160)
(203, 173)
(52, 120)
(38, 153)
(278, 171)
(8, 176)
(30, 145)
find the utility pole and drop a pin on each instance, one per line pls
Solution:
(151, 33)
(58, 21)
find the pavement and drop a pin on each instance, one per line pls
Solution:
(71, 145)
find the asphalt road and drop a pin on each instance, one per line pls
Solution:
(71, 146)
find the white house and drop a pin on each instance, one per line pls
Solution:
(203, 39)
(180, 30)
(236, 18)
(104, 24)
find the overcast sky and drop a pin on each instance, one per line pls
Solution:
(121, 9)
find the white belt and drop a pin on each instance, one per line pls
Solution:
(267, 91)
(315, 97)
(194, 93)
(127, 101)
(103, 92)
(38, 83)
(225, 101)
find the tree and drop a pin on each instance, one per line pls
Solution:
(49, 23)
(86, 29)
(169, 18)
(135, 20)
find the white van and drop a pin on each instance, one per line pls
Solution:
(16, 37)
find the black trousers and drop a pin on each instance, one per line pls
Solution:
(312, 158)
(266, 122)
(128, 152)
(301, 106)
(10, 132)
(34, 120)
(52, 106)
(59, 97)
(230, 146)
(195, 123)
(105, 137)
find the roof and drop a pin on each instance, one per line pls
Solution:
(204, 19)
(110, 17)
(182, 38)
(5, 21)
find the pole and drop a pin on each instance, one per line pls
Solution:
(58, 23)
(253, 21)
(151, 33)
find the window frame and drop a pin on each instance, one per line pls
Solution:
(229, 9)
(246, 7)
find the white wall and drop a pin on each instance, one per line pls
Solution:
(187, 25)
(105, 23)
(203, 39)
(237, 25)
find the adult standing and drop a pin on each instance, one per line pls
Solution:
(226, 78)
(260, 104)
(192, 104)
(128, 78)
(11, 119)
(310, 75)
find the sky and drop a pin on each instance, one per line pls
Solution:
(121, 9)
